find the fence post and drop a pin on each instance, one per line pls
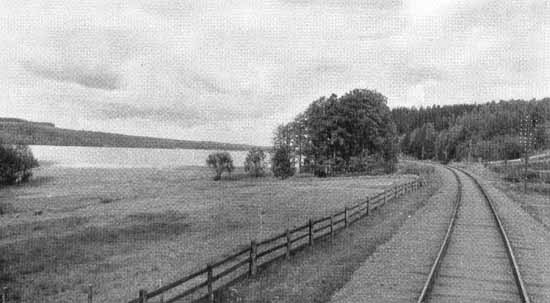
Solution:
(210, 282)
(253, 253)
(5, 295)
(331, 228)
(385, 193)
(288, 243)
(310, 232)
(368, 206)
(142, 296)
(162, 294)
(346, 216)
(90, 293)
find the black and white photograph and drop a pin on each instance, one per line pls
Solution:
(274, 151)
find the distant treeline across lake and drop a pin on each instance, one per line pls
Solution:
(83, 156)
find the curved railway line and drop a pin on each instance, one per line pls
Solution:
(475, 262)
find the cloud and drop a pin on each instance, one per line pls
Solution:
(205, 68)
(107, 111)
(378, 4)
(418, 75)
(99, 78)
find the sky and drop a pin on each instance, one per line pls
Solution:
(231, 71)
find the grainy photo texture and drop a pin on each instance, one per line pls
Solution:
(274, 151)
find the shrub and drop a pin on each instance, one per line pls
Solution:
(220, 162)
(281, 163)
(5, 208)
(16, 163)
(254, 163)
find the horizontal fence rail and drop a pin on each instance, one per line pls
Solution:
(202, 284)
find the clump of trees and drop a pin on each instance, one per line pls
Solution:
(490, 131)
(220, 162)
(350, 133)
(254, 164)
(16, 163)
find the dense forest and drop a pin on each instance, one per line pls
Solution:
(350, 133)
(490, 131)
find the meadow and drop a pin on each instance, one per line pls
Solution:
(121, 229)
(538, 172)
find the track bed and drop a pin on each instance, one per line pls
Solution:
(476, 266)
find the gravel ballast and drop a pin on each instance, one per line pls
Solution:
(396, 271)
(475, 267)
(530, 242)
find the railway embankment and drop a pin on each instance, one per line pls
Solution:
(494, 250)
(396, 271)
(530, 240)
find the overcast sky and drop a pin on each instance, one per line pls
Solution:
(231, 71)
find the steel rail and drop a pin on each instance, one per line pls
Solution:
(517, 274)
(443, 248)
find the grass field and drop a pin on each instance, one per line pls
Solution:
(130, 228)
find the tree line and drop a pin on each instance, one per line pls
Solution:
(490, 131)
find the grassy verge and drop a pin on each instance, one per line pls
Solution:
(534, 201)
(126, 229)
(314, 274)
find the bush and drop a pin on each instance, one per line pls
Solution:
(281, 163)
(254, 164)
(16, 164)
(220, 162)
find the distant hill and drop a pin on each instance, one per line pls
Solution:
(19, 131)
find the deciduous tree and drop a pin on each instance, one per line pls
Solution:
(220, 162)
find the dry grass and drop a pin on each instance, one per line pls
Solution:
(314, 274)
(538, 171)
(535, 201)
(125, 229)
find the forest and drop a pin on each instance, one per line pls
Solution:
(357, 132)
(491, 131)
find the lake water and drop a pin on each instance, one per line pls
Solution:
(79, 156)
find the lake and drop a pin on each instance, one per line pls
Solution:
(115, 157)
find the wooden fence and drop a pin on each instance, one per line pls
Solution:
(202, 284)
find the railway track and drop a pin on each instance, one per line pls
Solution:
(475, 262)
